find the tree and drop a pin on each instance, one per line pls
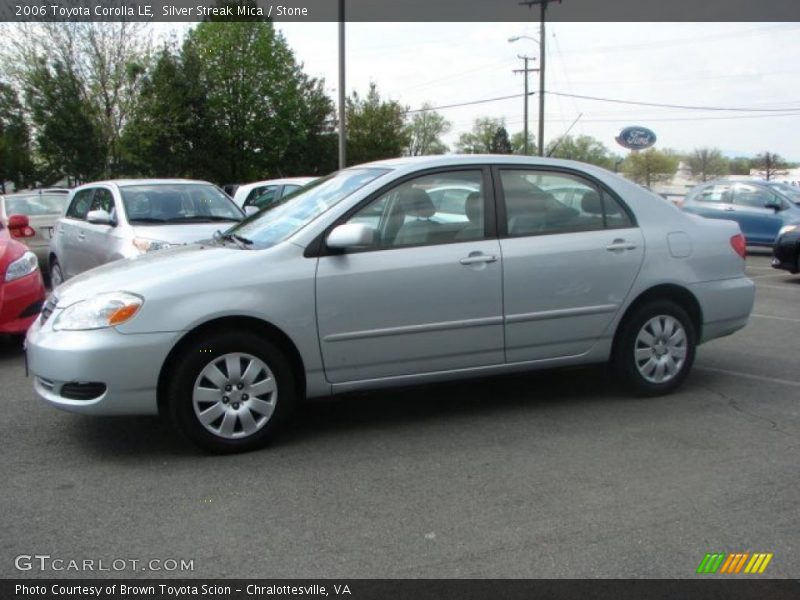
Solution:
(268, 117)
(650, 166)
(16, 164)
(707, 163)
(500, 142)
(769, 165)
(375, 128)
(425, 131)
(739, 165)
(584, 148)
(518, 143)
(104, 63)
(481, 138)
(68, 139)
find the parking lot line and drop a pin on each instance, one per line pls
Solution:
(774, 317)
(751, 376)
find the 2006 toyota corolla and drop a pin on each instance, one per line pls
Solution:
(358, 282)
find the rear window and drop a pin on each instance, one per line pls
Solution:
(36, 204)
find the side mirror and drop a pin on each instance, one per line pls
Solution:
(774, 206)
(99, 217)
(250, 210)
(351, 235)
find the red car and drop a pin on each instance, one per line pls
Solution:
(22, 291)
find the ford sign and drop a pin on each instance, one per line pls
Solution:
(636, 138)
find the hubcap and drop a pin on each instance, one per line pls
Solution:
(660, 350)
(234, 396)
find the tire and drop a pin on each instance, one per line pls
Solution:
(204, 382)
(671, 355)
(56, 274)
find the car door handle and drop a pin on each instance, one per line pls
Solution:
(729, 209)
(619, 245)
(474, 259)
(81, 236)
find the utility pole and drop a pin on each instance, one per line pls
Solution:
(525, 72)
(342, 123)
(543, 7)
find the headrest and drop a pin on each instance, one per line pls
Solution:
(473, 207)
(591, 203)
(416, 203)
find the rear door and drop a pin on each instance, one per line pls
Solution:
(566, 269)
(714, 201)
(71, 234)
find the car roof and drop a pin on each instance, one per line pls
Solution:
(444, 160)
(129, 182)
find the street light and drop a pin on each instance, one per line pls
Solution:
(524, 72)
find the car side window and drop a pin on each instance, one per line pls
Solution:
(544, 202)
(261, 195)
(719, 192)
(753, 196)
(103, 200)
(79, 207)
(415, 213)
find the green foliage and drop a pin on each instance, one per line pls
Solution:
(650, 166)
(16, 164)
(425, 130)
(739, 165)
(481, 139)
(707, 163)
(518, 143)
(583, 148)
(500, 142)
(375, 128)
(67, 137)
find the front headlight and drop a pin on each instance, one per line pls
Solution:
(148, 245)
(787, 229)
(24, 265)
(104, 310)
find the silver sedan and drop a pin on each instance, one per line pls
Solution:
(358, 282)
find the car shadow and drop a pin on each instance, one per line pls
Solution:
(129, 440)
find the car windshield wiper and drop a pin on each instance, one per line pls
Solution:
(202, 219)
(146, 220)
(240, 241)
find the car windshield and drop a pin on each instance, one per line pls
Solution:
(284, 218)
(157, 203)
(791, 192)
(36, 204)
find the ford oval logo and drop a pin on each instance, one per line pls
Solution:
(636, 138)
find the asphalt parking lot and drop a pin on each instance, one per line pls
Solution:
(557, 474)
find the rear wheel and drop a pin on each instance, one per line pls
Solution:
(655, 349)
(231, 391)
(56, 275)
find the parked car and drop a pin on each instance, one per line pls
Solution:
(41, 209)
(110, 220)
(309, 298)
(786, 251)
(262, 193)
(760, 208)
(790, 191)
(21, 288)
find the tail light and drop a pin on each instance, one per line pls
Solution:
(19, 227)
(739, 245)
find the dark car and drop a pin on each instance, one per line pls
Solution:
(761, 208)
(786, 251)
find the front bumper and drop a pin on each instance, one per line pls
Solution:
(122, 368)
(785, 252)
(20, 303)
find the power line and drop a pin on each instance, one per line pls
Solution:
(470, 103)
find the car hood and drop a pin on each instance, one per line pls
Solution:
(141, 273)
(181, 234)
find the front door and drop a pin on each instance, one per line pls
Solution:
(426, 296)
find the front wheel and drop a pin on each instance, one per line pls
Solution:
(655, 349)
(231, 391)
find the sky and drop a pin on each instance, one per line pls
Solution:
(728, 65)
